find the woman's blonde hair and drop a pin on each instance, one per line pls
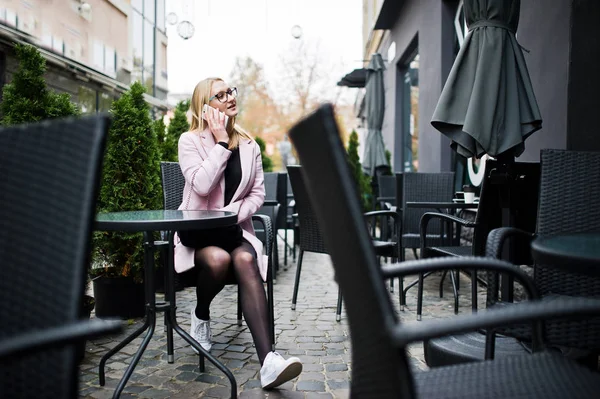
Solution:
(199, 98)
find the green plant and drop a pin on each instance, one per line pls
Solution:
(388, 157)
(160, 130)
(130, 182)
(27, 98)
(267, 162)
(363, 182)
(178, 125)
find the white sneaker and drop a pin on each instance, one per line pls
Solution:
(200, 331)
(276, 370)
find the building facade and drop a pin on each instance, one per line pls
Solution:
(420, 39)
(94, 48)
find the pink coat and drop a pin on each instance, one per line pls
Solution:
(203, 163)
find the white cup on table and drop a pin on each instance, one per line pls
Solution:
(469, 197)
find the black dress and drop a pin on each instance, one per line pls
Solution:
(228, 238)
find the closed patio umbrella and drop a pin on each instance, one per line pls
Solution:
(488, 105)
(374, 155)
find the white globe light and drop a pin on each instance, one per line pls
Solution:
(85, 7)
(296, 31)
(185, 29)
(172, 18)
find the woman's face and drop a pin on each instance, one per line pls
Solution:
(223, 98)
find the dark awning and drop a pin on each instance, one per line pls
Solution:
(388, 14)
(356, 78)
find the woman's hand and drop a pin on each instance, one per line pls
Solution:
(216, 124)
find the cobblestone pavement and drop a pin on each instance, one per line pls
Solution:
(310, 332)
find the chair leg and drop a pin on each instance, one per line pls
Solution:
(415, 253)
(270, 304)
(285, 247)
(474, 291)
(297, 282)
(444, 273)
(455, 291)
(420, 297)
(338, 312)
(239, 309)
(401, 293)
(275, 254)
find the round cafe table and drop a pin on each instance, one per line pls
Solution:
(578, 252)
(148, 222)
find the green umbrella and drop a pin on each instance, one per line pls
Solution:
(487, 105)
(374, 155)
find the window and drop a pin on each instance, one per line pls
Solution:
(86, 98)
(58, 45)
(98, 55)
(104, 102)
(11, 17)
(138, 39)
(148, 56)
(149, 10)
(137, 5)
(110, 61)
(160, 15)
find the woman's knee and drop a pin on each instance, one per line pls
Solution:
(244, 260)
(214, 258)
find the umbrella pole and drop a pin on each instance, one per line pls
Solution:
(504, 176)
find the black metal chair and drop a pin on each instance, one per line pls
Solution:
(420, 187)
(380, 367)
(311, 240)
(523, 207)
(270, 209)
(173, 183)
(49, 178)
(569, 201)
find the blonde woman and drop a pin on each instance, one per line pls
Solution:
(223, 171)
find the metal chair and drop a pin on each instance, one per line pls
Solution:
(49, 180)
(270, 209)
(380, 367)
(311, 240)
(569, 201)
(421, 187)
(523, 207)
(173, 182)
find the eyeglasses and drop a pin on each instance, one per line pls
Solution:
(223, 95)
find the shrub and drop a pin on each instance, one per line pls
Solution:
(363, 182)
(26, 98)
(267, 162)
(178, 125)
(130, 182)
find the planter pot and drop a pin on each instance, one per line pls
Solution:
(88, 305)
(118, 297)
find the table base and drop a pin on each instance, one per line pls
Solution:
(169, 308)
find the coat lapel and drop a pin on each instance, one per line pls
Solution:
(208, 142)
(246, 157)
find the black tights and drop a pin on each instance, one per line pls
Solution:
(214, 264)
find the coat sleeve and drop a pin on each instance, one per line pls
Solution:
(247, 206)
(202, 174)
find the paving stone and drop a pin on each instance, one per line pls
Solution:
(318, 386)
(155, 393)
(336, 367)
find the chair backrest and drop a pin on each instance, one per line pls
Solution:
(282, 198)
(515, 192)
(49, 178)
(424, 187)
(310, 238)
(271, 180)
(379, 369)
(387, 188)
(569, 203)
(173, 183)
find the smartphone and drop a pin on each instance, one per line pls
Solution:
(205, 110)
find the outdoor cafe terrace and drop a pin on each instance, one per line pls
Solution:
(309, 332)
